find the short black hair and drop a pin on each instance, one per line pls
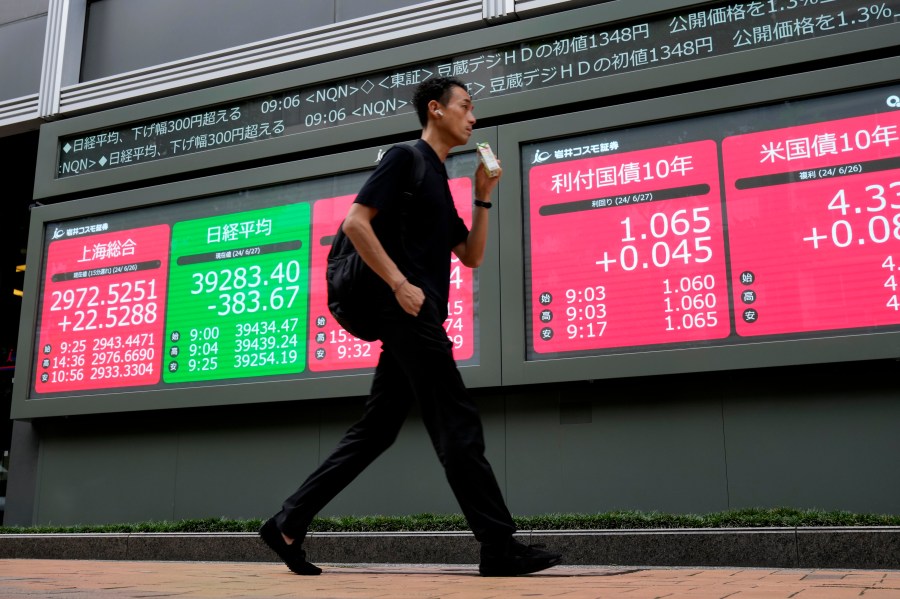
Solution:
(438, 89)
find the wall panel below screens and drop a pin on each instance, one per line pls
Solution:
(747, 226)
(212, 292)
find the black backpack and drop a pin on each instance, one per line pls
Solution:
(355, 292)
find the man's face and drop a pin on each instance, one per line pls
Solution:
(458, 118)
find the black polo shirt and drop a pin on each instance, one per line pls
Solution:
(417, 232)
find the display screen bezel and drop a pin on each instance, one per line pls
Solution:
(484, 371)
(520, 368)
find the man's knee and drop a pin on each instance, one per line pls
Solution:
(461, 451)
(372, 439)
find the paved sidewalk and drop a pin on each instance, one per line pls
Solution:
(76, 579)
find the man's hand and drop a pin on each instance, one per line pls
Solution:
(410, 298)
(484, 183)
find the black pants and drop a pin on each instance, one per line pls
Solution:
(416, 363)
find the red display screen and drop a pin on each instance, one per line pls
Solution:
(332, 348)
(628, 250)
(460, 323)
(814, 225)
(712, 230)
(103, 311)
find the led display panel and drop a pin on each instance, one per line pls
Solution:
(771, 223)
(209, 290)
(705, 31)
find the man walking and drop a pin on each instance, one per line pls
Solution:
(409, 248)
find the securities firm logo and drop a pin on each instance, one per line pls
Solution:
(576, 151)
(541, 157)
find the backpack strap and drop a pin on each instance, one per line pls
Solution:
(415, 183)
(418, 170)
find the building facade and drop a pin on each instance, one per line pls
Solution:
(689, 302)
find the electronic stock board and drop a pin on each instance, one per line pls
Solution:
(742, 230)
(623, 241)
(223, 289)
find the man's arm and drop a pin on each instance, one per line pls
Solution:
(471, 251)
(358, 227)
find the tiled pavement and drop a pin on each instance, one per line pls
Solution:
(77, 579)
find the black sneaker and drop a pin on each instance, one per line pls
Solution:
(292, 555)
(516, 559)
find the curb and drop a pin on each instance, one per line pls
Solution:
(838, 547)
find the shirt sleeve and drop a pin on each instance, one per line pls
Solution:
(388, 182)
(459, 232)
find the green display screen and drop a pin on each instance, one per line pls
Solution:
(241, 306)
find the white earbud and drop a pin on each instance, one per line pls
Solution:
(439, 112)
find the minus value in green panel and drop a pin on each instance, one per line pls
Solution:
(238, 296)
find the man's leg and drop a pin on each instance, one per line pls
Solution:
(385, 411)
(421, 346)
